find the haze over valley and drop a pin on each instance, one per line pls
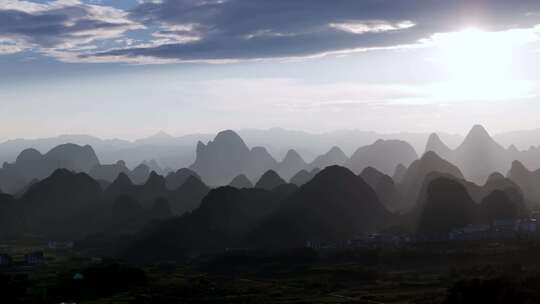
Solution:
(257, 151)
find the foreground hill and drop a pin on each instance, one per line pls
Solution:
(384, 187)
(223, 220)
(414, 176)
(185, 197)
(447, 205)
(528, 181)
(334, 206)
(62, 204)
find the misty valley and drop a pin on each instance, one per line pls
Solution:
(385, 224)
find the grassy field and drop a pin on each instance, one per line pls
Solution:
(433, 273)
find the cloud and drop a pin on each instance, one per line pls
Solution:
(60, 26)
(231, 30)
(260, 29)
(376, 26)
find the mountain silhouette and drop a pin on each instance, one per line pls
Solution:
(176, 179)
(177, 152)
(499, 206)
(140, 174)
(497, 181)
(479, 155)
(122, 185)
(31, 164)
(153, 166)
(241, 181)
(64, 199)
(188, 196)
(185, 197)
(160, 138)
(399, 173)
(290, 165)
(227, 156)
(154, 188)
(146, 193)
(527, 181)
(260, 161)
(436, 145)
(109, 172)
(73, 157)
(269, 181)
(224, 218)
(414, 177)
(384, 155)
(161, 209)
(384, 187)
(303, 176)
(333, 157)
(335, 205)
(12, 219)
(446, 207)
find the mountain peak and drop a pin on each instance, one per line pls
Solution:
(228, 137)
(122, 180)
(434, 137)
(269, 180)
(517, 165)
(58, 173)
(513, 149)
(433, 141)
(335, 150)
(154, 178)
(335, 156)
(293, 156)
(431, 155)
(435, 144)
(495, 177)
(333, 173)
(241, 181)
(478, 132)
(370, 171)
(29, 155)
(161, 135)
(193, 181)
(336, 153)
(259, 150)
(399, 173)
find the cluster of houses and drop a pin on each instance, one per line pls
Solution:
(9, 255)
(58, 245)
(498, 230)
(372, 240)
(30, 259)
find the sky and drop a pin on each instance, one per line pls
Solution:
(131, 68)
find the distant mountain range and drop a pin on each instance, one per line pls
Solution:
(179, 151)
(218, 161)
(479, 155)
(171, 216)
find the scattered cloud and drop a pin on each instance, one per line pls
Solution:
(60, 26)
(376, 26)
(167, 31)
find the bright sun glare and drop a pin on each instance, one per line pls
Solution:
(480, 64)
